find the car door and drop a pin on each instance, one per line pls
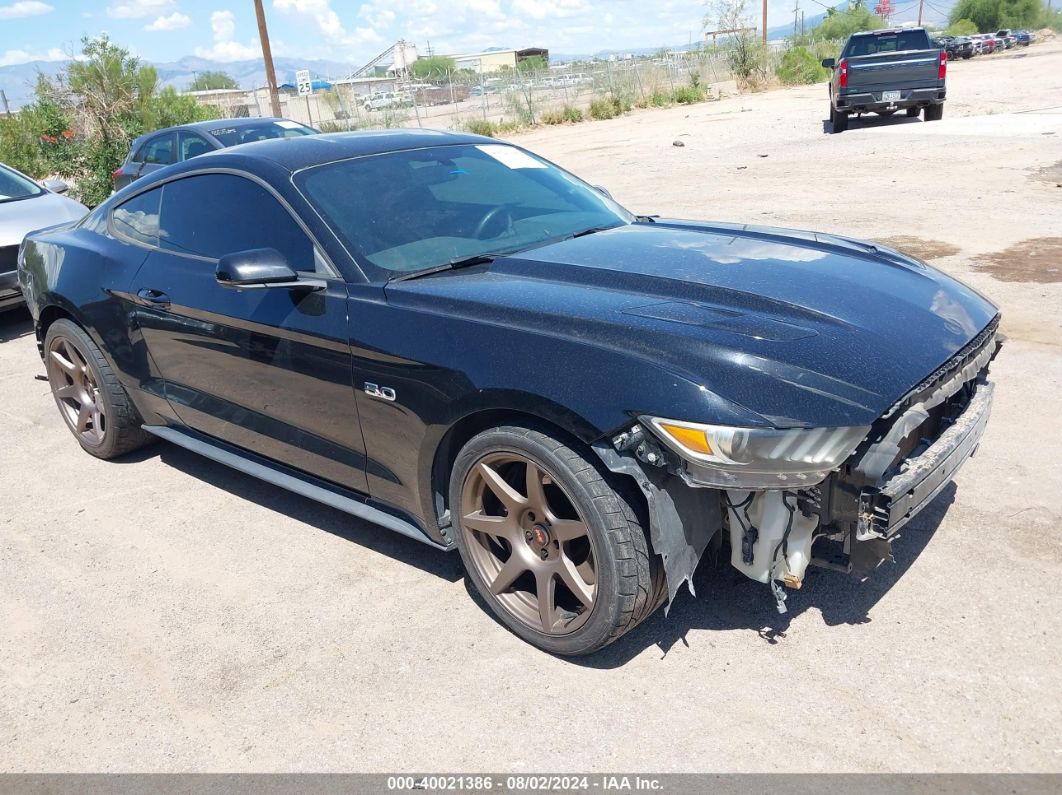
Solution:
(265, 369)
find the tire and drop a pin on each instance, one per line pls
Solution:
(913, 112)
(585, 526)
(92, 402)
(934, 112)
(838, 121)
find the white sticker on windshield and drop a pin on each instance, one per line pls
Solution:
(288, 125)
(510, 156)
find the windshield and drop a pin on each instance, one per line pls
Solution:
(247, 133)
(15, 186)
(407, 211)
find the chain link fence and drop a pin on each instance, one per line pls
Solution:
(507, 99)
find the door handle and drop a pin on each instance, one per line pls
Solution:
(154, 298)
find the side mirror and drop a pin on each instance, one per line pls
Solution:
(829, 63)
(55, 185)
(603, 191)
(257, 267)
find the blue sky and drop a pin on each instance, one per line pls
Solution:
(349, 30)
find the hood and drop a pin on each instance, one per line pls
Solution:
(19, 217)
(798, 328)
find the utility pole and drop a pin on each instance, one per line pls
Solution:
(7, 108)
(765, 21)
(796, 17)
(920, 4)
(267, 56)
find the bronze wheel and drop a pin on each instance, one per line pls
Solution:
(93, 403)
(77, 391)
(554, 548)
(528, 543)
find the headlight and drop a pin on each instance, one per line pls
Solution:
(757, 458)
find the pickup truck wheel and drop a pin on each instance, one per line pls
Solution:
(838, 121)
(934, 112)
(913, 112)
(557, 553)
(92, 402)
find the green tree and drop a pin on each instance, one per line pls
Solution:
(991, 15)
(81, 122)
(961, 27)
(745, 53)
(839, 25)
(433, 66)
(211, 81)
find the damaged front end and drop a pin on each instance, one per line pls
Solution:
(790, 498)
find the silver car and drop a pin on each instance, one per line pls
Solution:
(26, 205)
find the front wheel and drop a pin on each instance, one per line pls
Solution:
(558, 554)
(934, 112)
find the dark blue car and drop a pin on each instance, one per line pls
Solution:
(465, 344)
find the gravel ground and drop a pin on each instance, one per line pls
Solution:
(165, 614)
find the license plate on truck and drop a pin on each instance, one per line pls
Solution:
(890, 96)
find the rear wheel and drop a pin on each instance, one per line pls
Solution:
(92, 402)
(913, 112)
(934, 112)
(838, 121)
(558, 554)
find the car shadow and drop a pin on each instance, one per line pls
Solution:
(873, 120)
(728, 601)
(302, 509)
(15, 323)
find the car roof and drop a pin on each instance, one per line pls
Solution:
(292, 154)
(215, 124)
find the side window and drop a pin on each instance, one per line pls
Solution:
(158, 151)
(190, 144)
(138, 218)
(212, 215)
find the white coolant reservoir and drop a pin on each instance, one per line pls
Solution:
(758, 522)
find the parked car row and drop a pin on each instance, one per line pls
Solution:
(982, 43)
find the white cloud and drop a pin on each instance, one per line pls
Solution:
(549, 9)
(13, 57)
(25, 8)
(138, 9)
(327, 21)
(174, 21)
(223, 25)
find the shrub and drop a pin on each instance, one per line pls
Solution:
(688, 95)
(799, 67)
(551, 117)
(572, 113)
(603, 109)
(660, 99)
(481, 127)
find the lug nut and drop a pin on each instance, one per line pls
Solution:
(528, 535)
(542, 553)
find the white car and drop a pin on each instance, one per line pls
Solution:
(25, 206)
(387, 99)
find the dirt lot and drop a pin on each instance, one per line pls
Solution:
(164, 613)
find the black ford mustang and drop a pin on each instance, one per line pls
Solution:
(461, 342)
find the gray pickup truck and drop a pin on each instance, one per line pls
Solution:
(883, 71)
